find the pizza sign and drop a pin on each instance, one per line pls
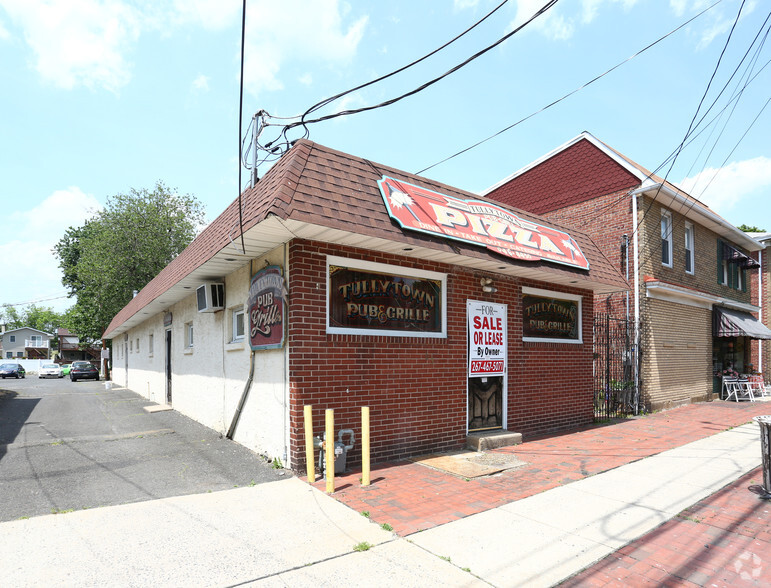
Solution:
(477, 222)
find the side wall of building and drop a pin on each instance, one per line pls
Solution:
(209, 377)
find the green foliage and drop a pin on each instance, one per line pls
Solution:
(750, 229)
(37, 317)
(120, 250)
(363, 546)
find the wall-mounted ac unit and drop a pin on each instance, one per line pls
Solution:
(210, 297)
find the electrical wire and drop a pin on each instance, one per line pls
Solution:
(282, 142)
(240, 123)
(304, 123)
(578, 89)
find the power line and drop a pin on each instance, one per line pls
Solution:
(578, 89)
(273, 148)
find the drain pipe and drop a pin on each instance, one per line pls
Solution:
(636, 246)
(244, 394)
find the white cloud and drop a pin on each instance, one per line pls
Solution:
(724, 188)
(31, 236)
(78, 41)
(556, 24)
(462, 4)
(210, 14)
(296, 30)
(201, 83)
(306, 79)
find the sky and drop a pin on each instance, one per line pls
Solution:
(99, 97)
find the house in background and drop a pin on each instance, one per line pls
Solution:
(26, 343)
(691, 296)
(337, 283)
(760, 285)
(71, 350)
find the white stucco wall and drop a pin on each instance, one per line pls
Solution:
(209, 378)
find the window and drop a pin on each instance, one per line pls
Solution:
(131, 346)
(9, 354)
(137, 344)
(728, 271)
(150, 344)
(551, 317)
(19, 354)
(189, 335)
(666, 238)
(35, 341)
(689, 257)
(11, 338)
(238, 326)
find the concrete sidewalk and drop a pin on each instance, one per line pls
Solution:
(289, 534)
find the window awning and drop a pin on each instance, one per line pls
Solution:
(727, 322)
(733, 255)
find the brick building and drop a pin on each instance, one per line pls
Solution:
(361, 285)
(688, 267)
(761, 297)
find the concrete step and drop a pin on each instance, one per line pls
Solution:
(484, 440)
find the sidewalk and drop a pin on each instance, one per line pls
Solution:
(680, 517)
(411, 497)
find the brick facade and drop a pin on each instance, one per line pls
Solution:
(416, 388)
(591, 188)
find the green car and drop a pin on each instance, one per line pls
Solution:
(66, 369)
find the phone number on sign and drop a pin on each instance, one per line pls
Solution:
(485, 366)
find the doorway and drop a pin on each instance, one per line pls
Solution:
(168, 366)
(485, 403)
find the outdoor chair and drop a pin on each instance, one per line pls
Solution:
(740, 389)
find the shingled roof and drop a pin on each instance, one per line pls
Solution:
(317, 193)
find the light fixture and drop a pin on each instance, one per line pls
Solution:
(487, 285)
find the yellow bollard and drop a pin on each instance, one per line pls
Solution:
(365, 445)
(309, 455)
(329, 446)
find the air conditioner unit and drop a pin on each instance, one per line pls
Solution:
(210, 297)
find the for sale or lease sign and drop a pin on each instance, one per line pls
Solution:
(487, 338)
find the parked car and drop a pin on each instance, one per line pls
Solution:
(50, 370)
(66, 367)
(83, 370)
(12, 370)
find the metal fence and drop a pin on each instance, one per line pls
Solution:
(615, 393)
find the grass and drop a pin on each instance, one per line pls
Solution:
(386, 527)
(65, 511)
(363, 546)
(365, 514)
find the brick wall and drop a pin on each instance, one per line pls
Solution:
(417, 388)
(677, 358)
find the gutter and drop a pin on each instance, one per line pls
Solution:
(636, 243)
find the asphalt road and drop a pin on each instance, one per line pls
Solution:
(75, 445)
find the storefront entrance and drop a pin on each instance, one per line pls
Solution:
(485, 403)
(487, 361)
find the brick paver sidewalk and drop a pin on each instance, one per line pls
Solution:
(411, 497)
(723, 540)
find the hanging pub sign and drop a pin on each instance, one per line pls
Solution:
(384, 300)
(267, 316)
(550, 316)
(486, 338)
(479, 223)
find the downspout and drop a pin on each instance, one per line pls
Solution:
(760, 312)
(286, 362)
(247, 386)
(244, 394)
(636, 244)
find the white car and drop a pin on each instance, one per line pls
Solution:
(50, 370)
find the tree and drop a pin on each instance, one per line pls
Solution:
(42, 318)
(121, 249)
(749, 229)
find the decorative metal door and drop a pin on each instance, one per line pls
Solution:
(485, 403)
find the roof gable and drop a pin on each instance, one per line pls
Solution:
(573, 174)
